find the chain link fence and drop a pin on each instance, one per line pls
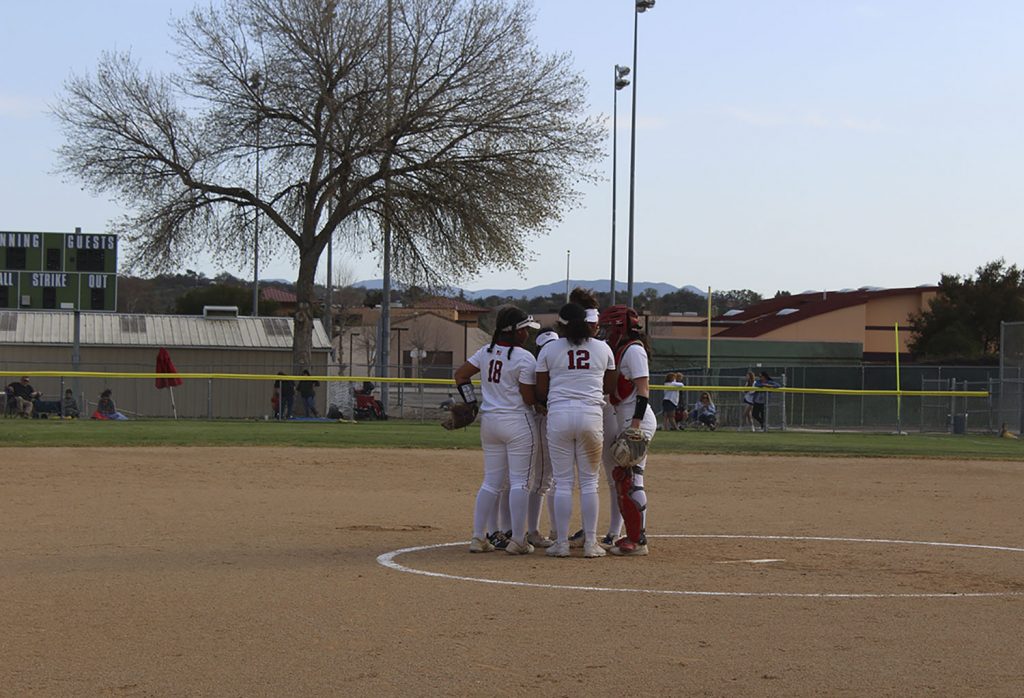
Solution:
(224, 398)
(1010, 398)
(822, 410)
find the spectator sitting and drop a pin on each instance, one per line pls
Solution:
(704, 412)
(21, 396)
(69, 406)
(105, 408)
(367, 406)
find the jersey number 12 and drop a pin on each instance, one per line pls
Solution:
(580, 358)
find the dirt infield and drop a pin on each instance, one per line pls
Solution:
(243, 572)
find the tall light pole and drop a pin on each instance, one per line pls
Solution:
(621, 72)
(384, 332)
(254, 83)
(641, 6)
(568, 254)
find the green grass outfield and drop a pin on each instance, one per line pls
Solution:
(399, 434)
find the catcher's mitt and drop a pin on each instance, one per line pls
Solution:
(629, 447)
(460, 415)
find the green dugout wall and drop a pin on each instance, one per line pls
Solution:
(745, 353)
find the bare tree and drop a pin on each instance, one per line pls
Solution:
(479, 138)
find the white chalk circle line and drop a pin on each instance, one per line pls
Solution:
(389, 560)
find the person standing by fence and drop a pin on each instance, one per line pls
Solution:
(670, 401)
(307, 391)
(285, 392)
(761, 398)
(747, 404)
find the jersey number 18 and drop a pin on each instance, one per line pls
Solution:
(494, 371)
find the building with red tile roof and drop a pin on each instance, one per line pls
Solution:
(867, 316)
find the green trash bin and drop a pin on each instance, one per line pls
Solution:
(959, 423)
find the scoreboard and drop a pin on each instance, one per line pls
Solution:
(51, 271)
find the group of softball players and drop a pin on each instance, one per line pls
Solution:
(546, 424)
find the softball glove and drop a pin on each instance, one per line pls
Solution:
(629, 447)
(460, 415)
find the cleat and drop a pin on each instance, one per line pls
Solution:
(559, 549)
(480, 545)
(607, 542)
(576, 540)
(538, 541)
(593, 550)
(499, 540)
(624, 547)
(514, 548)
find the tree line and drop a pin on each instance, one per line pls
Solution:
(188, 293)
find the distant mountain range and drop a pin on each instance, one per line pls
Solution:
(545, 290)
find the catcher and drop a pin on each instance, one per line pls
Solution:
(631, 424)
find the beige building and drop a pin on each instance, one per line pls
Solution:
(426, 341)
(219, 342)
(864, 316)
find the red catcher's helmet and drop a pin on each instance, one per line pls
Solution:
(617, 322)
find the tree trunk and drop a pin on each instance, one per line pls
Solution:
(305, 311)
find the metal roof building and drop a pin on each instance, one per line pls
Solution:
(218, 342)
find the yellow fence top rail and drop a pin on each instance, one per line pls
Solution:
(450, 382)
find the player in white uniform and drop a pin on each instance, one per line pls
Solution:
(541, 477)
(620, 326)
(573, 375)
(586, 298)
(507, 424)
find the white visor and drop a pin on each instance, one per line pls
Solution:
(528, 322)
(545, 337)
(592, 315)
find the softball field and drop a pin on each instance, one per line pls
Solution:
(283, 571)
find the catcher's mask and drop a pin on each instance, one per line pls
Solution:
(618, 322)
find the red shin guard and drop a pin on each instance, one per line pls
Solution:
(631, 513)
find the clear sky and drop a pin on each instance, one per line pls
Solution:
(781, 144)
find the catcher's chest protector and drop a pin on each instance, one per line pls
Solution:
(624, 386)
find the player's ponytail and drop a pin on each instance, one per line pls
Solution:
(507, 325)
(573, 320)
